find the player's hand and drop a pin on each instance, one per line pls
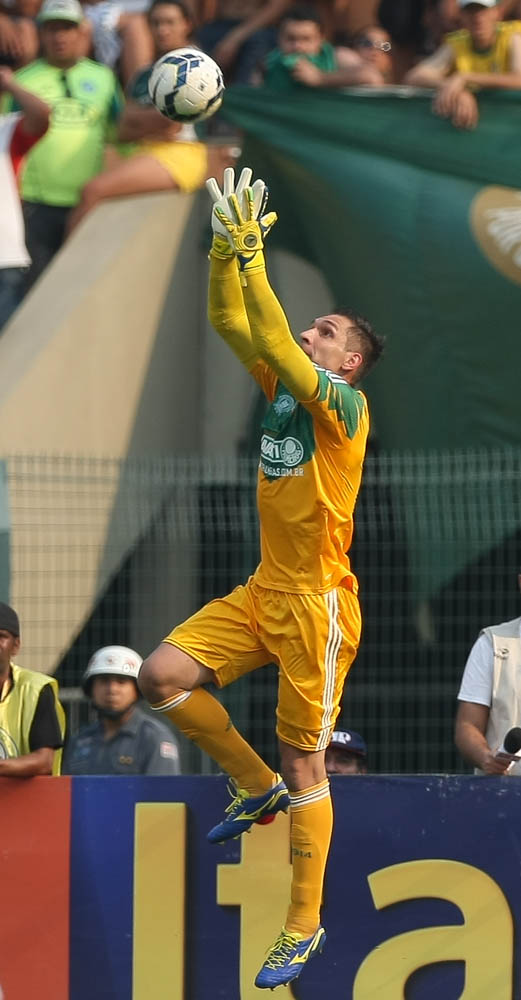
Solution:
(245, 225)
(220, 198)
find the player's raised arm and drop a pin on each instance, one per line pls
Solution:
(271, 336)
(226, 310)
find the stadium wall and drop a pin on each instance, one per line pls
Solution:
(116, 894)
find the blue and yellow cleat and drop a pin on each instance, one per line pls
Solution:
(245, 810)
(288, 957)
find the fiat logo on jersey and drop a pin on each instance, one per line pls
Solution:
(289, 451)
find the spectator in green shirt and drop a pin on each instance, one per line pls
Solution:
(85, 101)
(304, 57)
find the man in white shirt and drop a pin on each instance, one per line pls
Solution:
(490, 698)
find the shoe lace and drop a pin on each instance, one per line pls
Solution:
(282, 950)
(238, 797)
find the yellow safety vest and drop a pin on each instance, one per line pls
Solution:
(17, 713)
(494, 60)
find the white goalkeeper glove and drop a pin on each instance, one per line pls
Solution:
(251, 202)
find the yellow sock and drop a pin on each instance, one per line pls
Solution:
(311, 815)
(205, 721)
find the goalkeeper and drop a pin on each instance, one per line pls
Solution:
(300, 608)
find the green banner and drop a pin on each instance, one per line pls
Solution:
(418, 226)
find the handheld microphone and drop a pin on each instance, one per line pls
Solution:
(511, 742)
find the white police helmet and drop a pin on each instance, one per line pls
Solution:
(119, 660)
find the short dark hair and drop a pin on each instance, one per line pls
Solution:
(183, 7)
(302, 12)
(371, 343)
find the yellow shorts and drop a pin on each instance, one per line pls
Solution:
(313, 638)
(186, 162)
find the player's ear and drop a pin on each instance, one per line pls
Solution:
(352, 361)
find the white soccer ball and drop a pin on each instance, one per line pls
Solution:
(186, 85)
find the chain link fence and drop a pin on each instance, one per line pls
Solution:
(105, 551)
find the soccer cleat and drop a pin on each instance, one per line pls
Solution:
(245, 810)
(288, 957)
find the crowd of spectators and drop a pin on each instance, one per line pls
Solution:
(89, 65)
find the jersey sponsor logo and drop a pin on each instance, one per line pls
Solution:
(68, 111)
(288, 452)
(280, 472)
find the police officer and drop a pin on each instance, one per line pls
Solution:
(125, 739)
(346, 753)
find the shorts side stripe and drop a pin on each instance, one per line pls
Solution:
(334, 641)
(174, 702)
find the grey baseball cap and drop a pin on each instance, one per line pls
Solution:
(60, 10)
(480, 3)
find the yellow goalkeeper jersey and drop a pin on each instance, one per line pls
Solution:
(310, 469)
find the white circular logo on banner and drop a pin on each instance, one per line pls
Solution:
(495, 217)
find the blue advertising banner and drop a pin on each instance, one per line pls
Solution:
(422, 898)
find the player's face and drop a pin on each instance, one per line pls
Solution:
(61, 43)
(169, 27)
(109, 691)
(332, 343)
(481, 22)
(302, 38)
(9, 646)
(341, 762)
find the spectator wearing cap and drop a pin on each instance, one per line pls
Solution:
(484, 54)
(32, 721)
(85, 102)
(126, 739)
(346, 753)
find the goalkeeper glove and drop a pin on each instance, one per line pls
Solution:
(250, 202)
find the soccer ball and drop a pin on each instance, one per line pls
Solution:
(186, 85)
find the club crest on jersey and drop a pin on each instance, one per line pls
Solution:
(284, 405)
(288, 452)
